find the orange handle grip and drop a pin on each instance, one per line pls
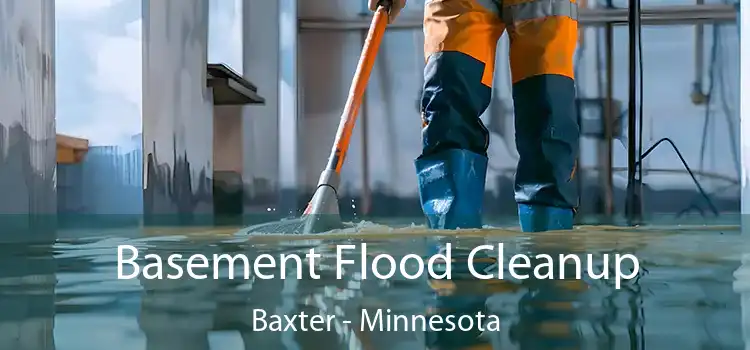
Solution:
(357, 89)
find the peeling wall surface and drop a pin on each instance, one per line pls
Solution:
(27, 170)
(27, 115)
(177, 110)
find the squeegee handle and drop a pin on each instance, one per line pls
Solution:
(357, 89)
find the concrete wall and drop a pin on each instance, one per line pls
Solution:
(27, 169)
(289, 96)
(177, 109)
(228, 152)
(260, 52)
(225, 46)
(27, 116)
(742, 275)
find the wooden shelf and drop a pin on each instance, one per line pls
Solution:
(230, 88)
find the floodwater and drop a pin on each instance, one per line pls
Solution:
(67, 296)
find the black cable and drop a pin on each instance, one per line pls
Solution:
(687, 168)
(635, 31)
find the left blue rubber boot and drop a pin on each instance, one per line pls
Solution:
(451, 188)
(538, 218)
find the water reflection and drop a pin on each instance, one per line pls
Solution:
(549, 310)
(27, 297)
(177, 313)
(684, 299)
(741, 284)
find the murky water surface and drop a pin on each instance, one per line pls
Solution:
(67, 296)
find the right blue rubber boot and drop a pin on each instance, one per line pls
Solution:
(451, 188)
(451, 191)
(539, 218)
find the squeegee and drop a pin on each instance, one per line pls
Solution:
(322, 212)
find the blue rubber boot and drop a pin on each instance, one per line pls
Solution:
(451, 188)
(538, 218)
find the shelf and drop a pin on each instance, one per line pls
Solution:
(229, 88)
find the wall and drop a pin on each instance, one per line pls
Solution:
(225, 46)
(27, 97)
(177, 111)
(27, 170)
(742, 275)
(289, 122)
(228, 152)
(260, 54)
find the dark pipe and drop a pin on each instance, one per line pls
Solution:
(607, 199)
(633, 190)
(697, 95)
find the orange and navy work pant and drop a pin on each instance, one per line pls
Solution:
(460, 43)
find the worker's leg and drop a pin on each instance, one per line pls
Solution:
(543, 36)
(460, 41)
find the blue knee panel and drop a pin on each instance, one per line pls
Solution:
(453, 98)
